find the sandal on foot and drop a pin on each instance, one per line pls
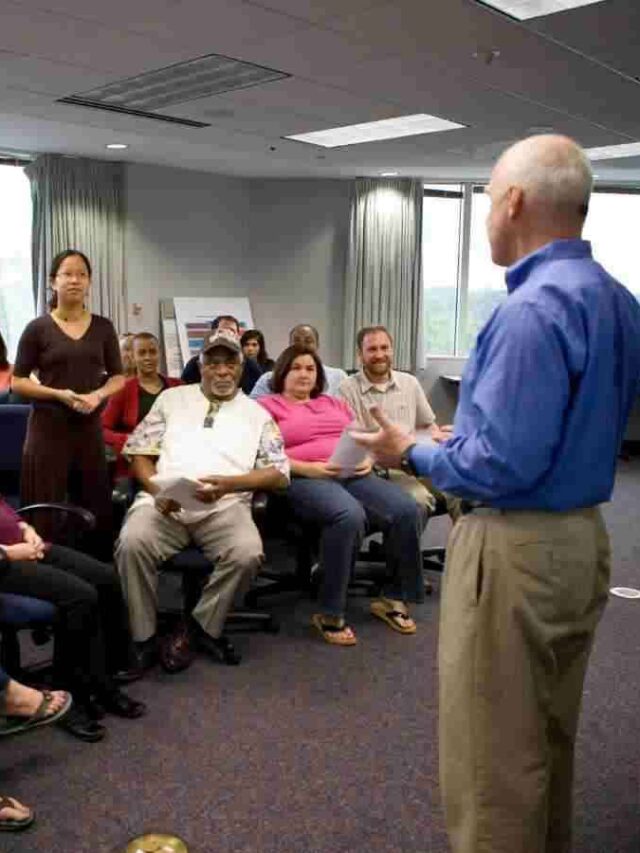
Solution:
(15, 724)
(337, 634)
(394, 614)
(8, 824)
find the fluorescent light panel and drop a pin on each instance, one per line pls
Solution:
(373, 131)
(612, 152)
(523, 9)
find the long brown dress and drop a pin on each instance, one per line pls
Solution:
(63, 456)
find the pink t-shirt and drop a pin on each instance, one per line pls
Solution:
(310, 430)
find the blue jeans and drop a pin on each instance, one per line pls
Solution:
(343, 509)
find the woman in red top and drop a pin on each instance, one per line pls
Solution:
(342, 503)
(128, 407)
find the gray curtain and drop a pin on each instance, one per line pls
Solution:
(78, 203)
(384, 265)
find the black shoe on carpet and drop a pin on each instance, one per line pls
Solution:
(116, 702)
(79, 723)
(219, 648)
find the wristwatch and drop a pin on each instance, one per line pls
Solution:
(406, 464)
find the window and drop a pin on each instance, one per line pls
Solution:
(440, 252)
(462, 286)
(486, 284)
(16, 290)
(612, 227)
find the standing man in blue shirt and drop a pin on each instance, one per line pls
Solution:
(543, 406)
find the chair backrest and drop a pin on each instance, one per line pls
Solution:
(13, 430)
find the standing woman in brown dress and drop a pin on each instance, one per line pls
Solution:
(76, 357)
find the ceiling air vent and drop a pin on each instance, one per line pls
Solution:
(148, 94)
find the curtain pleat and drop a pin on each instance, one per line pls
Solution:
(384, 265)
(79, 203)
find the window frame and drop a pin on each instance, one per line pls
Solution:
(466, 193)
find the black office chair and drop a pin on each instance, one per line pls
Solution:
(301, 539)
(194, 569)
(13, 429)
(19, 612)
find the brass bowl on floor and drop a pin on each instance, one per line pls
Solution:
(156, 843)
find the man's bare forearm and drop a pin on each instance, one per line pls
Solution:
(258, 480)
(143, 468)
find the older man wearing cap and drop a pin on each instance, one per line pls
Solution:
(229, 446)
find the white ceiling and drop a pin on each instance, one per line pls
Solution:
(350, 61)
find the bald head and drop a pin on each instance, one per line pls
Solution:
(539, 191)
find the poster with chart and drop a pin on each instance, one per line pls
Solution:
(194, 316)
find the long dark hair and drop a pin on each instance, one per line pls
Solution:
(4, 361)
(256, 335)
(283, 366)
(56, 263)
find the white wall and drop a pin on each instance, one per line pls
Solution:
(297, 253)
(187, 234)
(280, 242)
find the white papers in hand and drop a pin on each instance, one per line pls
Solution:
(182, 490)
(348, 454)
(423, 436)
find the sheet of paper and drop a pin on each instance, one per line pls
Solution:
(182, 490)
(348, 454)
(423, 436)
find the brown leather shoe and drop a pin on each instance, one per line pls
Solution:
(176, 649)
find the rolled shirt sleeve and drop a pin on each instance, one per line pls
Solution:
(425, 416)
(147, 437)
(271, 450)
(508, 431)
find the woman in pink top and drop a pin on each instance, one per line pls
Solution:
(343, 506)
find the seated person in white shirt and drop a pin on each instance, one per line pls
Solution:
(399, 395)
(306, 336)
(214, 434)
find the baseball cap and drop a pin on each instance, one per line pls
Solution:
(221, 339)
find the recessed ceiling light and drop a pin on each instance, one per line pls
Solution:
(611, 152)
(389, 174)
(372, 131)
(523, 9)
(117, 146)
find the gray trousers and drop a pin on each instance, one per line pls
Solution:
(228, 538)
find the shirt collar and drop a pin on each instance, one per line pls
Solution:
(366, 384)
(556, 250)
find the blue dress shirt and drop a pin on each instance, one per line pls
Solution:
(547, 390)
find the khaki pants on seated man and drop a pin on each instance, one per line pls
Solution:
(228, 538)
(424, 492)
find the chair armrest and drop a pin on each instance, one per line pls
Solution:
(87, 518)
(259, 504)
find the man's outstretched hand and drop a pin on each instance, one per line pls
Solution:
(388, 444)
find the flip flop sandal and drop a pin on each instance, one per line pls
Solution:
(11, 824)
(330, 633)
(392, 616)
(15, 725)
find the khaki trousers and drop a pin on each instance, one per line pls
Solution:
(228, 538)
(523, 593)
(424, 492)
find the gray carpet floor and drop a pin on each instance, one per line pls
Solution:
(305, 747)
